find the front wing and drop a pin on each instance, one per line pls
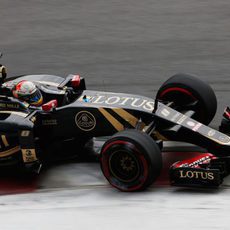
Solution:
(205, 170)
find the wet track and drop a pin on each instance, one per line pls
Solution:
(122, 46)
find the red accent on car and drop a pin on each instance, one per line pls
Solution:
(49, 105)
(195, 162)
(75, 82)
(169, 90)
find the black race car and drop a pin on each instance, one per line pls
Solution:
(138, 126)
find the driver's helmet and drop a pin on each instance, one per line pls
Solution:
(27, 91)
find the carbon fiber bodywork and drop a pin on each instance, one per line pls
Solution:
(32, 135)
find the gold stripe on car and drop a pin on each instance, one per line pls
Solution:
(9, 151)
(4, 140)
(113, 121)
(132, 120)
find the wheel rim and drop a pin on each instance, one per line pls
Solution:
(124, 166)
(117, 177)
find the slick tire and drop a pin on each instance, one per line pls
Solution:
(184, 90)
(131, 160)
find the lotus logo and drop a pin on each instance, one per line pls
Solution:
(85, 121)
(193, 174)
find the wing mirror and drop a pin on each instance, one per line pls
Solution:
(51, 105)
(75, 81)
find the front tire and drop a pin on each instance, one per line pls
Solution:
(184, 90)
(131, 160)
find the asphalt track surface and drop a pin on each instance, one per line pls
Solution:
(122, 46)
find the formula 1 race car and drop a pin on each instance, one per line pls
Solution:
(138, 126)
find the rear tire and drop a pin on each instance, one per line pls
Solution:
(184, 89)
(131, 160)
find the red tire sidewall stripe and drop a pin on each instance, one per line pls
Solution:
(106, 171)
(178, 89)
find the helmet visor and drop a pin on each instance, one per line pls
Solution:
(35, 98)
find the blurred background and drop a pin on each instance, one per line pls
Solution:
(123, 46)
